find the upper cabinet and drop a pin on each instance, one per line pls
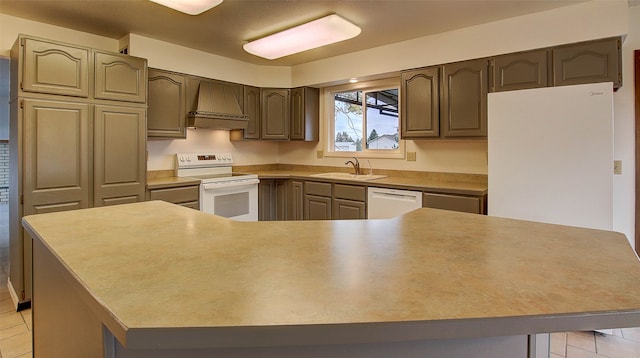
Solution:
(588, 62)
(420, 96)
(275, 113)
(522, 70)
(464, 98)
(53, 68)
(253, 110)
(120, 77)
(305, 114)
(167, 111)
(448, 101)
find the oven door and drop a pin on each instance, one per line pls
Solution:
(237, 199)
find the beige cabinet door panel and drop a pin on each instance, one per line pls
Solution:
(588, 62)
(252, 108)
(119, 155)
(120, 77)
(275, 114)
(420, 103)
(54, 68)
(56, 156)
(167, 111)
(464, 98)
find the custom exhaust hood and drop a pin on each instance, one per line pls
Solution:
(218, 108)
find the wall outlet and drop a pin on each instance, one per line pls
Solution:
(617, 167)
(411, 156)
(319, 154)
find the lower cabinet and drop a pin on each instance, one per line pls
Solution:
(273, 197)
(317, 201)
(296, 200)
(349, 202)
(468, 204)
(188, 196)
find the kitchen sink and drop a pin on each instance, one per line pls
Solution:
(349, 176)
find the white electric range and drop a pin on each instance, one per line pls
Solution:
(222, 192)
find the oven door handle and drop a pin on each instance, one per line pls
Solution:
(235, 183)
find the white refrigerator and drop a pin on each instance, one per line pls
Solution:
(550, 155)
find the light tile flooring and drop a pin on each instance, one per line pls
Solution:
(15, 327)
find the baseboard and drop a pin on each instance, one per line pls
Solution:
(16, 301)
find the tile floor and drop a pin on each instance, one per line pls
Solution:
(15, 327)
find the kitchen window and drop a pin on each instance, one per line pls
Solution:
(363, 120)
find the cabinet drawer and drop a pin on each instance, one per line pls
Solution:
(316, 188)
(176, 195)
(452, 202)
(350, 192)
(192, 205)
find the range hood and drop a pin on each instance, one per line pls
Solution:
(218, 108)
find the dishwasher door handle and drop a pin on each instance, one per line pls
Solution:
(394, 196)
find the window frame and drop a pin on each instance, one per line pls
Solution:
(368, 86)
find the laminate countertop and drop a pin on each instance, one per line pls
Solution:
(154, 267)
(434, 183)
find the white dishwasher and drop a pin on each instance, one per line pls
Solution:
(385, 203)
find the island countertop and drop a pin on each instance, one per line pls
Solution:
(154, 267)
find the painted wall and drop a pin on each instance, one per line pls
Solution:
(624, 134)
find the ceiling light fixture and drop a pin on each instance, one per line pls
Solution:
(191, 7)
(321, 32)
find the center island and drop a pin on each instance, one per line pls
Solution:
(154, 279)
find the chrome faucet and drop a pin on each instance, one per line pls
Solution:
(356, 165)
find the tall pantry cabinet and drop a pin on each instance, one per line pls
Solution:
(77, 136)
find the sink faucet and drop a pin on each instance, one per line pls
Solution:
(356, 165)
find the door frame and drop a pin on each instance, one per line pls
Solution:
(636, 56)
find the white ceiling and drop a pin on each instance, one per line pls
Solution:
(223, 29)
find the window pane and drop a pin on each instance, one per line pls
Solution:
(348, 121)
(382, 119)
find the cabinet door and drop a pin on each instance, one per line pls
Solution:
(464, 99)
(420, 98)
(119, 158)
(266, 200)
(252, 110)
(56, 152)
(296, 200)
(348, 210)
(281, 194)
(305, 116)
(120, 77)
(275, 114)
(54, 68)
(317, 207)
(589, 62)
(167, 109)
(521, 70)
(453, 202)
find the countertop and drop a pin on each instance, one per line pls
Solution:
(391, 181)
(152, 267)
(441, 183)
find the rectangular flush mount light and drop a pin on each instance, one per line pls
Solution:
(321, 32)
(191, 7)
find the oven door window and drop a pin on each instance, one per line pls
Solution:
(232, 205)
(238, 201)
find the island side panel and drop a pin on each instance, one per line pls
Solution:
(63, 325)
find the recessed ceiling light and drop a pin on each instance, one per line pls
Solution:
(191, 7)
(321, 32)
